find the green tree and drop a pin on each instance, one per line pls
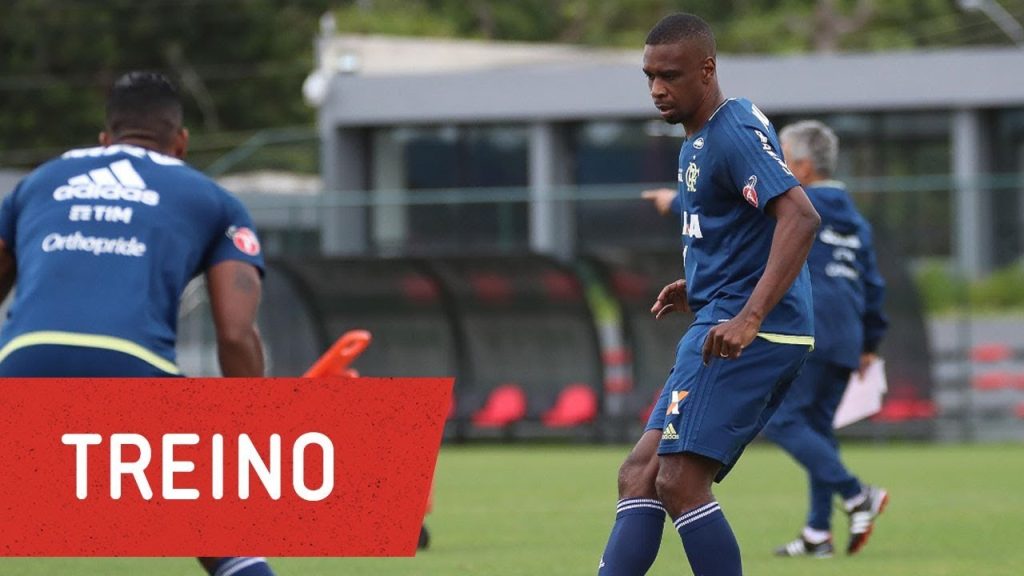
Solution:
(741, 25)
(240, 64)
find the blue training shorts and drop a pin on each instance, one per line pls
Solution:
(716, 410)
(58, 361)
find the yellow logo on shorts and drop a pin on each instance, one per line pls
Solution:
(669, 433)
(677, 398)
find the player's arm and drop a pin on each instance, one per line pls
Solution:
(665, 200)
(796, 223)
(8, 270)
(795, 226)
(671, 299)
(235, 289)
(874, 319)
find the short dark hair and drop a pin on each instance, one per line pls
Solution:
(682, 27)
(144, 104)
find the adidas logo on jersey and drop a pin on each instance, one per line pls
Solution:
(118, 181)
(669, 433)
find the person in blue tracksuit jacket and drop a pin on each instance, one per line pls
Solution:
(849, 324)
(100, 243)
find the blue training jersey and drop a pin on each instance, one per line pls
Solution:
(848, 289)
(729, 171)
(105, 240)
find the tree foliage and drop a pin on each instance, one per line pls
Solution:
(241, 63)
(741, 25)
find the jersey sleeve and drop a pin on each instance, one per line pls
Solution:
(755, 163)
(236, 237)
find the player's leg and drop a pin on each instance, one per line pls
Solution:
(236, 566)
(719, 409)
(830, 385)
(640, 518)
(811, 541)
(684, 485)
(803, 428)
(797, 427)
(863, 503)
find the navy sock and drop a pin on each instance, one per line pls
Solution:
(710, 544)
(635, 539)
(242, 566)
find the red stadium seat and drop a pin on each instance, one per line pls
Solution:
(991, 352)
(993, 381)
(900, 410)
(505, 405)
(576, 404)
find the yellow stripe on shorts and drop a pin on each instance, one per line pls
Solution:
(89, 341)
(788, 339)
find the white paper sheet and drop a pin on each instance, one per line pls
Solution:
(863, 396)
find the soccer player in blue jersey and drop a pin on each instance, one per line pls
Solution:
(849, 324)
(747, 228)
(102, 241)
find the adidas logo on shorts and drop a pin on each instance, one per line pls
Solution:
(670, 433)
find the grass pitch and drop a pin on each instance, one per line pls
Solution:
(528, 510)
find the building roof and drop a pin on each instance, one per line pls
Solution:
(402, 81)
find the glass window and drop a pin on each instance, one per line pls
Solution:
(1008, 185)
(895, 165)
(490, 159)
(614, 162)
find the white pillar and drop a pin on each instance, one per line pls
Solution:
(552, 228)
(972, 203)
(390, 214)
(343, 215)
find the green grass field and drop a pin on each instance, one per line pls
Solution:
(529, 510)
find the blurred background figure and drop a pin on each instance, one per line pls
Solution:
(849, 323)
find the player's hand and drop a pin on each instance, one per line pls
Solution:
(662, 199)
(866, 359)
(727, 340)
(671, 299)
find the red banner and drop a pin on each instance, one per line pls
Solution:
(217, 467)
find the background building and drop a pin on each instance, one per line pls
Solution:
(545, 147)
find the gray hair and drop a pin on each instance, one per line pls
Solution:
(814, 141)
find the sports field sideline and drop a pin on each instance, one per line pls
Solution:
(532, 510)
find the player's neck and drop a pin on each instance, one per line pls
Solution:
(711, 103)
(147, 143)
